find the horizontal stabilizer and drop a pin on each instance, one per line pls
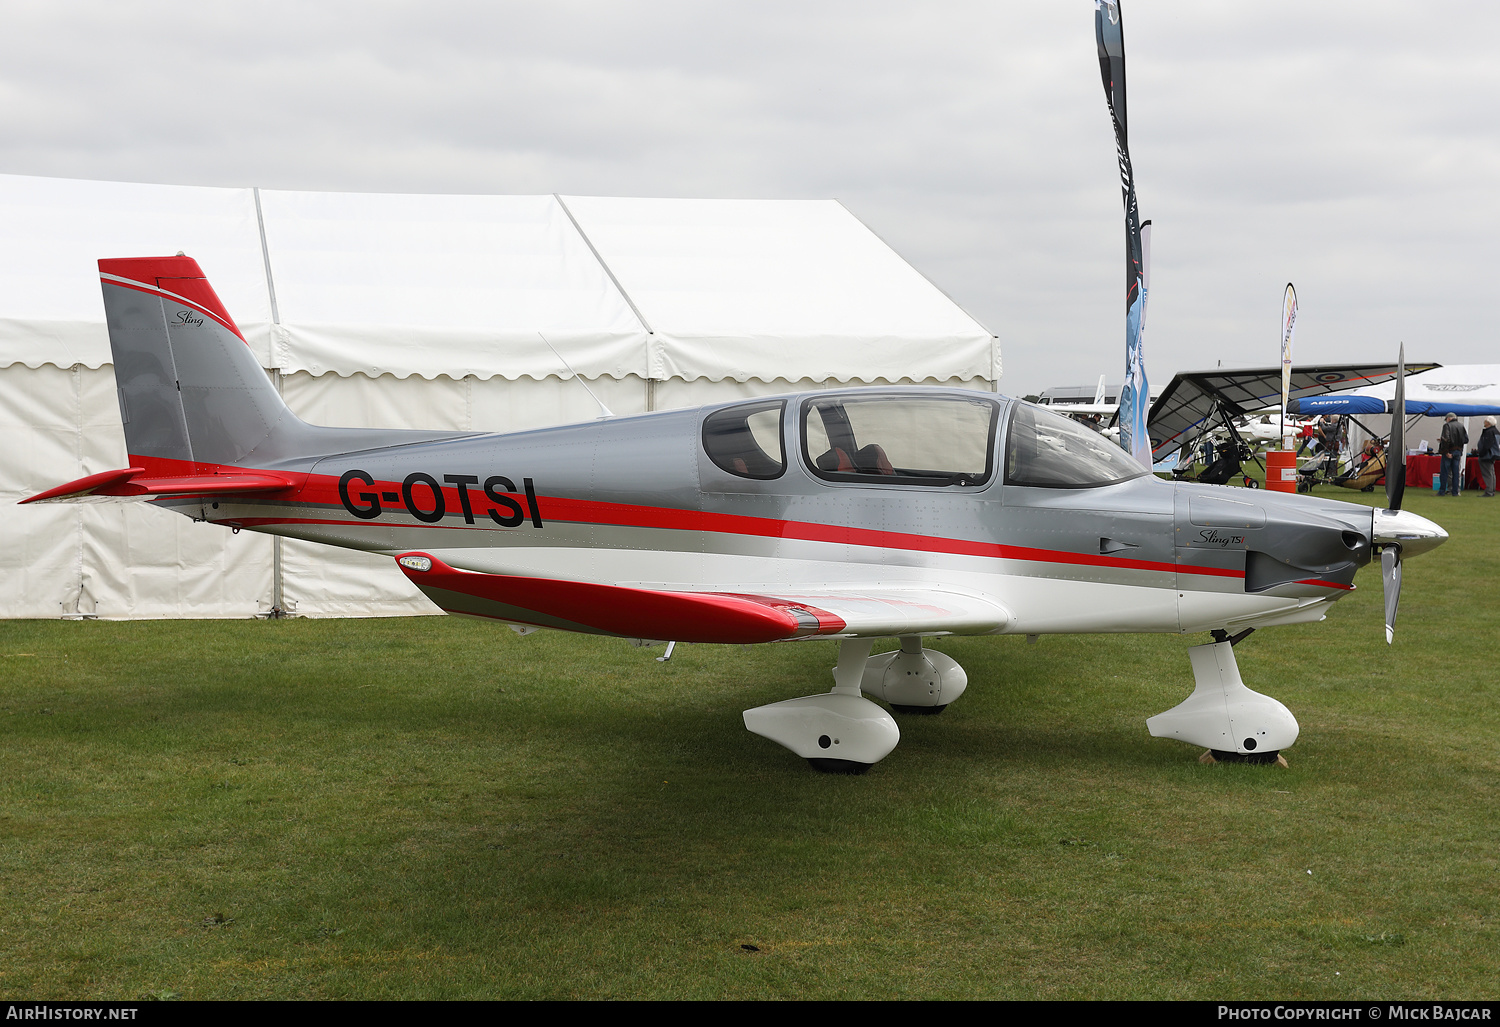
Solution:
(128, 483)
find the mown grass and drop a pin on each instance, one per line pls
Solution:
(436, 808)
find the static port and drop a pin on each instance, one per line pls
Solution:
(824, 741)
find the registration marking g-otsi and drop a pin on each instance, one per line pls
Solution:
(425, 499)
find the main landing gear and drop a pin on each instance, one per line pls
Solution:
(1235, 724)
(841, 732)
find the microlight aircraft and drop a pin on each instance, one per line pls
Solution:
(854, 515)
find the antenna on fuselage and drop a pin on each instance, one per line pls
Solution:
(604, 411)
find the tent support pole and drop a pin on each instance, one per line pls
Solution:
(278, 596)
(278, 599)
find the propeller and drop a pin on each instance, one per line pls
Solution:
(1395, 450)
(1390, 575)
(1395, 533)
(1395, 487)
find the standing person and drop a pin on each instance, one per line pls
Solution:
(1489, 452)
(1451, 445)
(1328, 435)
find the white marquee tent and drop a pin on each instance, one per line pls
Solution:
(420, 311)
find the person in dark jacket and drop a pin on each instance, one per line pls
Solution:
(1451, 445)
(1489, 452)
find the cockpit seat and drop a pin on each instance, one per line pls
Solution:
(869, 460)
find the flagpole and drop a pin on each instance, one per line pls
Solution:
(1288, 332)
(1135, 395)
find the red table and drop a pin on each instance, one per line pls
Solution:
(1421, 468)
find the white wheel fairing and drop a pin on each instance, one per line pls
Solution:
(829, 726)
(925, 678)
(1222, 713)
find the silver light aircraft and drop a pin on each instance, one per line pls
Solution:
(851, 515)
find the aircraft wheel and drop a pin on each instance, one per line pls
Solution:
(1368, 488)
(922, 711)
(1251, 483)
(827, 766)
(1256, 758)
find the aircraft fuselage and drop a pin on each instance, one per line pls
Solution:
(637, 502)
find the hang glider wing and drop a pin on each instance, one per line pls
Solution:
(1192, 398)
(692, 616)
(1468, 390)
(133, 483)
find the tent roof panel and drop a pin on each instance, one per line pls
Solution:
(796, 288)
(455, 285)
(468, 285)
(57, 229)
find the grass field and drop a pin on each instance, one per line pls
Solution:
(435, 808)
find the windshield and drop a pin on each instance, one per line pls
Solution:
(1047, 449)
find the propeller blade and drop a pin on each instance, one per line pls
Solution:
(1395, 450)
(1390, 576)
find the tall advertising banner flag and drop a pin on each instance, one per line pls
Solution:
(1135, 397)
(1288, 330)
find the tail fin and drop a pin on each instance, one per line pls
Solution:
(192, 396)
(201, 417)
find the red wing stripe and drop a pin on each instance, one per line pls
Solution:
(629, 612)
(828, 623)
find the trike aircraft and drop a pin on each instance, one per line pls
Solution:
(907, 513)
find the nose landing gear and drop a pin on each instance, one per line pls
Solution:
(1233, 722)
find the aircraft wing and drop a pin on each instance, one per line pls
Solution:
(1190, 398)
(706, 616)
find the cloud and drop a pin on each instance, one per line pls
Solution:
(1347, 146)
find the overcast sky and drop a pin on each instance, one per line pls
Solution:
(1353, 148)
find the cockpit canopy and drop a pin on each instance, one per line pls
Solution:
(1053, 451)
(900, 438)
(905, 438)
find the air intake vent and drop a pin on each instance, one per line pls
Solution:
(1263, 572)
